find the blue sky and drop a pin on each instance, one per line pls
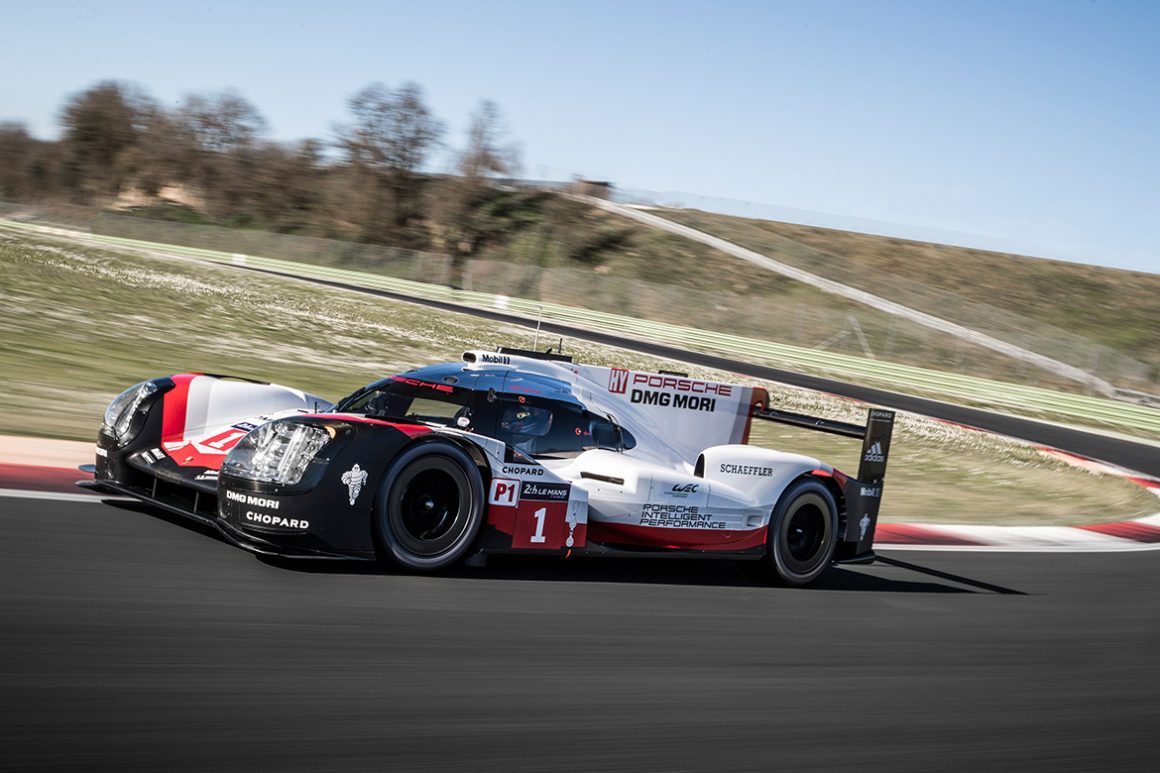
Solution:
(1032, 126)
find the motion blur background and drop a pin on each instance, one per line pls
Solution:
(436, 141)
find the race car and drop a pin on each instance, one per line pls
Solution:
(511, 451)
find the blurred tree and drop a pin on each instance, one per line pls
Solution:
(221, 123)
(386, 145)
(487, 153)
(215, 136)
(101, 124)
(161, 155)
(45, 169)
(470, 209)
(291, 181)
(15, 161)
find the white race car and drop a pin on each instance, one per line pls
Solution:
(506, 451)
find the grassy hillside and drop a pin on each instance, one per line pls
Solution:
(603, 261)
(1117, 308)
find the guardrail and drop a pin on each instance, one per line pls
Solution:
(906, 377)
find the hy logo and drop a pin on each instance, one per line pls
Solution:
(618, 380)
(874, 453)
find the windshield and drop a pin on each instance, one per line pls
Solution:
(406, 398)
(555, 430)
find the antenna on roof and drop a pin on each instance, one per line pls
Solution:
(539, 319)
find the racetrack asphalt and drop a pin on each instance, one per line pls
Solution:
(1140, 457)
(131, 641)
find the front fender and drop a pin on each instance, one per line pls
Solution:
(330, 511)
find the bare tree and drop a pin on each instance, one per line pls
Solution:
(291, 180)
(217, 133)
(101, 125)
(471, 210)
(388, 142)
(161, 155)
(221, 123)
(487, 153)
(15, 156)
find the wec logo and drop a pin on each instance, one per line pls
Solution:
(618, 380)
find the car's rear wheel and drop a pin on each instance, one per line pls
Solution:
(430, 508)
(802, 532)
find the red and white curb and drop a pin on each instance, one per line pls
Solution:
(31, 481)
(1137, 534)
(54, 476)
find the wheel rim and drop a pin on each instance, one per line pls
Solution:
(805, 532)
(431, 508)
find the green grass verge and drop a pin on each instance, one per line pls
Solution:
(79, 324)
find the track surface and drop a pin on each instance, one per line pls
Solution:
(1140, 457)
(132, 642)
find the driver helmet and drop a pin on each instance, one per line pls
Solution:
(526, 420)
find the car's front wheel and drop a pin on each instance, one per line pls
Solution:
(430, 508)
(803, 532)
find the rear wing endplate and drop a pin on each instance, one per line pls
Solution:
(863, 495)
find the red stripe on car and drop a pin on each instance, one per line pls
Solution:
(173, 405)
(410, 430)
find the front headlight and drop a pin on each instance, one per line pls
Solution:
(119, 415)
(277, 452)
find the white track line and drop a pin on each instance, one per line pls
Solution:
(1032, 536)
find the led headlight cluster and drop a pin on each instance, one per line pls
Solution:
(277, 452)
(119, 415)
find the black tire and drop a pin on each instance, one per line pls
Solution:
(430, 507)
(803, 532)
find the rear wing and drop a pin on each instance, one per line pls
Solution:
(863, 495)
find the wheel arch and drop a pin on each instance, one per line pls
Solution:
(471, 449)
(827, 480)
(831, 483)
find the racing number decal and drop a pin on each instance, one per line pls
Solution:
(540, 525)
(540, 511)
(540, 515)
(226, 440)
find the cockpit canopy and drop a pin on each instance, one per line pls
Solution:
(532, 424)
